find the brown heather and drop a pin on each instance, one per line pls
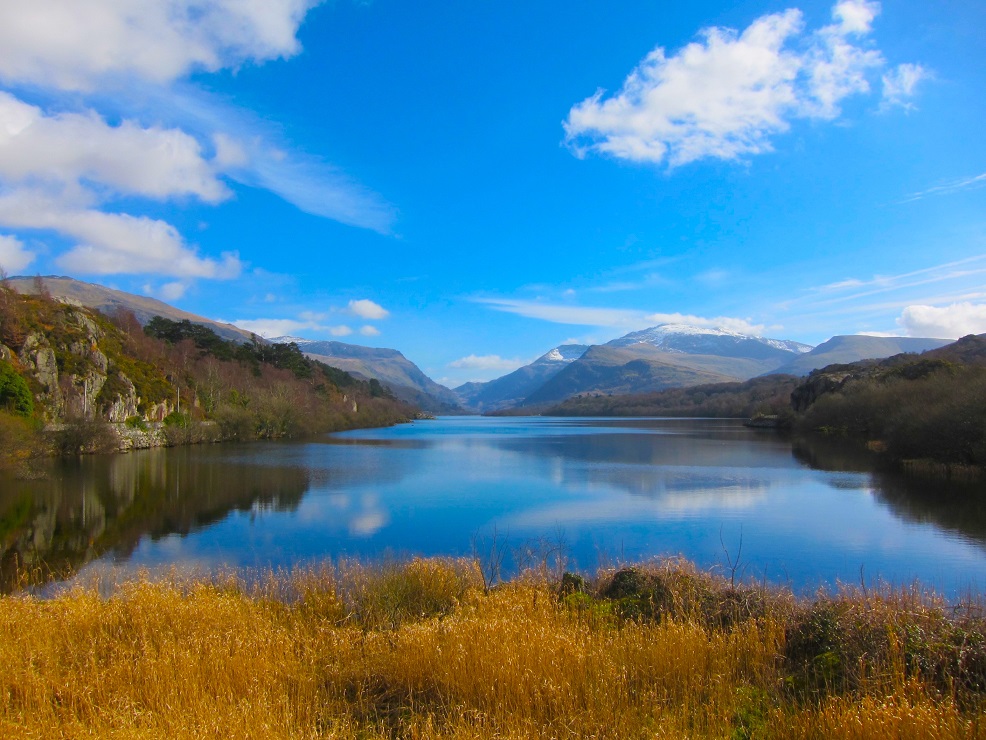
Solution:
(422, 650)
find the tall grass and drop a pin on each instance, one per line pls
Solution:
(423, 650)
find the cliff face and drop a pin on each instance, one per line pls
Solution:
(75, 364)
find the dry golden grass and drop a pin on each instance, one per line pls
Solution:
(421, 650)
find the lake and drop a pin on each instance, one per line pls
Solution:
(595, 491)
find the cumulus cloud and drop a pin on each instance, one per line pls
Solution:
(13, 256)
(725, 95)
(58, 168)
(367, 309)
(946, 322)
(77, 45)
(64, 163)
(67, 148)
(486, 362)
(899, 84)
(112, 243)
(369, 331)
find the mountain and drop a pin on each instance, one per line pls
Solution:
(667, 356)
(108, 301)
(697, 340)
(390, 367)
(634, 369)
(511, 389)
(842, 350)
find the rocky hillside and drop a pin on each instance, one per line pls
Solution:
(91, 382)
(76, 363)
(109, 301)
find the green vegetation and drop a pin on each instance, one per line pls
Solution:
(75, 370)
(767, 395)
(926, 412)
(929, 407)
(424, 650)
(15, 395)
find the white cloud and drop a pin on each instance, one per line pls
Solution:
(953, 186)
(78, 45)
(725, 95)
(167, 292)
(367, 309)
(369, 331)
(129, 57)
(112, 243)
(67, 148)
(614, 318)
(486, 362)
(289, 327)
(14, 258)
(900, 83)
(563, 314)
(743, 326)
(172, 291)
(948, 322)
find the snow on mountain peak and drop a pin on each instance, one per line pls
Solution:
(691, 339)
(288, 340)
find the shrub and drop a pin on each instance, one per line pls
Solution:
(15, 396)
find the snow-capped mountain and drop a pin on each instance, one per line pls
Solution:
(700, 340)
(511, 389)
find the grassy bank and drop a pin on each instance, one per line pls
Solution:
(422, 650)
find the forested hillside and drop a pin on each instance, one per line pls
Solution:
(767, 395)
(75, 380)
(926, 409)
(930, 406)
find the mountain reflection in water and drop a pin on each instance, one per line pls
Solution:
(808, 512)
(104, 505)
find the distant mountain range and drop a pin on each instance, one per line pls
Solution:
(654, 359)
(670, 356)
(390, 367)
(513, 389)
(852, 348)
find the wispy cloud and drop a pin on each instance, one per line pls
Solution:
(309, 328)
(953, 186)
(613, 318)
(727, 94)
(853, 289)
(940, 300)
(486, 362)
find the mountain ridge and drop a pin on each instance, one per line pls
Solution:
(407, 381)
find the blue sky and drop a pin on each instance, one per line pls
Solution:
(475, 183)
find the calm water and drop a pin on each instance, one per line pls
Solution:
(602, 491)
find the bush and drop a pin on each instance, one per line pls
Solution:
(18, 441)
(81, 435)
(15, 396)
(136, 422)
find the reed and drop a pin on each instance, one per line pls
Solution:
(422, 650)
